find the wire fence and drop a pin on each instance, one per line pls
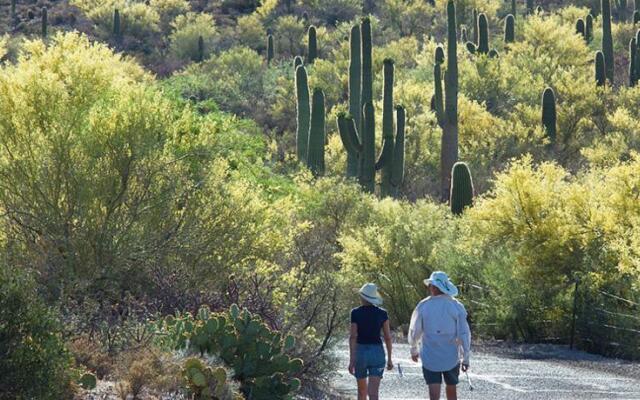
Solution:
(595, 320)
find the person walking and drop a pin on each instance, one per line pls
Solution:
(440, 336)
(366, 355)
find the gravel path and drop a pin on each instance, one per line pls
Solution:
(501, 372)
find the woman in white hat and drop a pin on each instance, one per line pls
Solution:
(439, 335)
(367, 361)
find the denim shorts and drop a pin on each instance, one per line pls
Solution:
(370, 360)
(451, 377)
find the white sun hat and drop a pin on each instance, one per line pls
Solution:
(441, 280)
(369, 292)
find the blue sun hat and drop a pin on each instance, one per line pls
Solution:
(441, 280)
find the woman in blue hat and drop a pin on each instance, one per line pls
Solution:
(367, 360)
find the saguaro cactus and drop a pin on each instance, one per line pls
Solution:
(386, 156)
(483, 34)
(633, 60)
(13, 10)
(303, 113)
(549, 114)
(297, 61)
(529, 7)
(461, 188)
(474, 24)
(315, 154)
(514, 7)
(601, 76)
(509, 29)
(200, 49)
(44, 22)
(580, 28)
(637, 64)
(447, 114)
(355, 105)
(397, 168)
(270, 51)
(116, 24)
(607, 39)
(313, 45)
(588, 28)
(367, 164)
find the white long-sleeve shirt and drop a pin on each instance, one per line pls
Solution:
(439, 333)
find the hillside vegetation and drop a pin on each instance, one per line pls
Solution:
(191, 190)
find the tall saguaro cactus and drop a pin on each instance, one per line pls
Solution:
(116, 24)
(549, 114)
(397, 163)
(270, 50)
(483, 34)
(385, 161)
(633, 60)
(461, 188)
(303, 113)
(368, 133)
(447, 114)
(588, 28)
(601, 73)
(45, 22)
(13, 10)
(355, 105)
(509, 29)
(313, 45)
(200, 49)
(607, 39)
(315, 154)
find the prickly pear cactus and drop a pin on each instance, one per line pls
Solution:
(256, 354)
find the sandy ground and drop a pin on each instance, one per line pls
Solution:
(500, 372)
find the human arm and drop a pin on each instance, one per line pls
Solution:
(415, 333)
(464, 336)
(386, 331)
(353, 343)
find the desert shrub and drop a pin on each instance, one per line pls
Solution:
(394, 248)
(289, 32)
(148, 369)
(250, 33)
(35, 363)
(139, 21)
(331, 12)
(187, 29)
(169, 10)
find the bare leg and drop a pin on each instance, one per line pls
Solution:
(362, 389)
(451, 392)
(374, 387)
(434, 391)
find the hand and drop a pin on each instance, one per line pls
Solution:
(389, 365)
(352, 367)
(415, 358)
(465, 367)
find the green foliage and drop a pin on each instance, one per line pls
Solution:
(461, 188)
(35, 363)
(185, 37)
(257, 355)
(88, 381)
